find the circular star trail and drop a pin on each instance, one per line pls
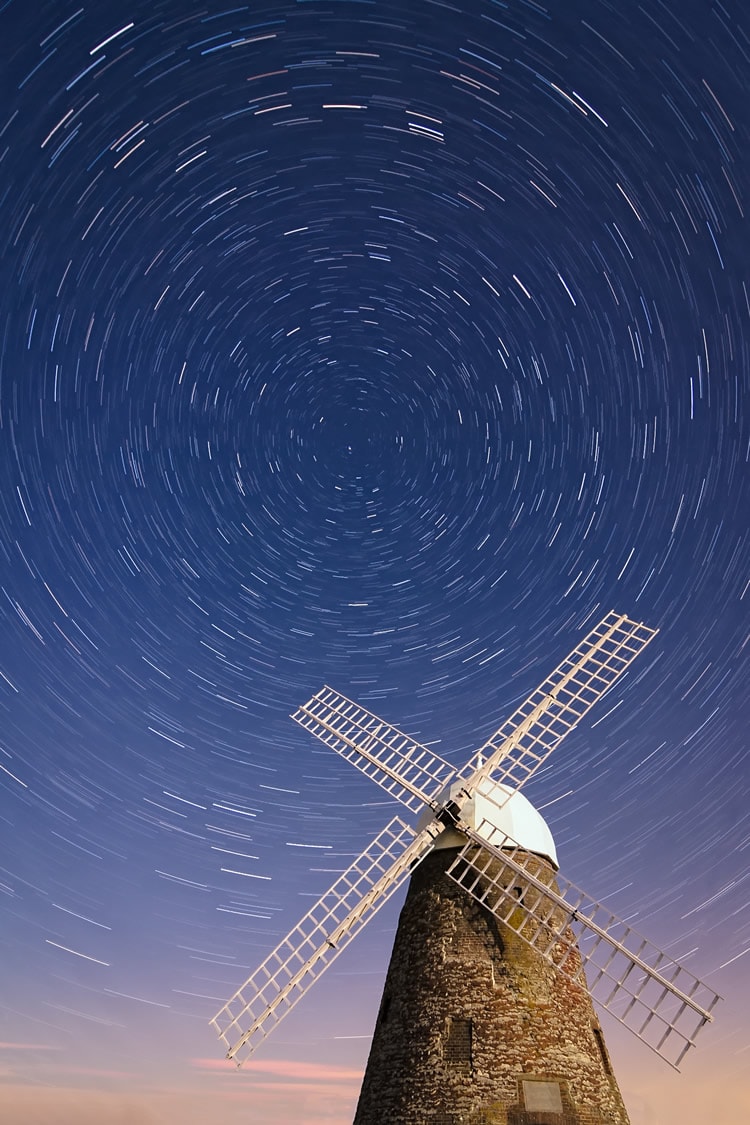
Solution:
(374, 344)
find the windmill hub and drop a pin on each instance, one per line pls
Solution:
(498, 807)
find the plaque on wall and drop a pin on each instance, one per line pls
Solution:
(543, 1095)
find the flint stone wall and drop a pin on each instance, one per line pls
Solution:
(471, 1018)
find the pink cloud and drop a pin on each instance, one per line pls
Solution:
(285, 1068)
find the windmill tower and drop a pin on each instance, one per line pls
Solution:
(487, 1014)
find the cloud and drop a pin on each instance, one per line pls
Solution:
(287, 1069)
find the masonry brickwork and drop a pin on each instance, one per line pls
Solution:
(476, 1028)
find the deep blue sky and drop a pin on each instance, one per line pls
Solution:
(381, 345)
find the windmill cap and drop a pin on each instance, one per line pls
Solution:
(501, 808)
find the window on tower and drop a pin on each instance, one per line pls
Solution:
(457, 1042)
(602, 1049)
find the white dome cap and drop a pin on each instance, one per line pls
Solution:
(517, 819)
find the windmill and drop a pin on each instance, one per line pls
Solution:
(487, 1010)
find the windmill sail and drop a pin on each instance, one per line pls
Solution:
(657, 999)
(525, 741)
(307, 951)
(407, 770)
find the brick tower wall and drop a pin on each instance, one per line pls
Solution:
(476, 1028)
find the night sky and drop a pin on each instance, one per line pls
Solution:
(385, 344)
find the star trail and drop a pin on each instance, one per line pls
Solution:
(385, 345)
